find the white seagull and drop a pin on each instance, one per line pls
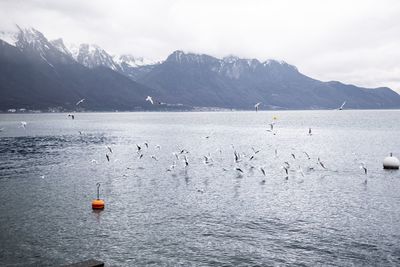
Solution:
(80, 101)
(257, 105)
(341, 107)
(23, 124)
(150, 99)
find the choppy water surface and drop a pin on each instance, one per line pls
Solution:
(205, 214)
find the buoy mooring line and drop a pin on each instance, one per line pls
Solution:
(98, 204)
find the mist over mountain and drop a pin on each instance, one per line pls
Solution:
(39, 74)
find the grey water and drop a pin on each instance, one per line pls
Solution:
(202, 214)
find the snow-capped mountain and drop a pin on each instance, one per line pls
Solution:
(60, 46)
(36, 45)
(92, 56)
(10, 37)
(132, 61)
(38, 74)
(88, 55)
(203, 80)
(232, 67)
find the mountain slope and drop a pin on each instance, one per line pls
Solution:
(34, 74)
(231, 82)
(39, 74)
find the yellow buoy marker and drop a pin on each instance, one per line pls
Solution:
(98, 204)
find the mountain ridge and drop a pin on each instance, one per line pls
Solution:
(51, 69)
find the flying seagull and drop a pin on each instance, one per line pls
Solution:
(362, 166)
(207, 160)
(262, 170)
(239, 170)
(272, 125)
(341, 107)
(23, 124)
(109, 148)
(321, 163)
(257, 105)
(300, 170)
(80, 101)
(286, 168)
(150, 99)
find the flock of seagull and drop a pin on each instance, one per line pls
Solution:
(242, 162)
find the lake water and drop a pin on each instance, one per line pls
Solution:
(203, 214)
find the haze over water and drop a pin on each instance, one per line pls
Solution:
(201, 215)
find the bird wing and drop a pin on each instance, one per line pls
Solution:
(150, 99)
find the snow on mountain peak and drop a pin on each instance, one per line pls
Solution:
(60, 46)
(133, 61)
(23, 36)
(9, 37)
(91, 56)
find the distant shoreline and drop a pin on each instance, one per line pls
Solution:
(189, 111)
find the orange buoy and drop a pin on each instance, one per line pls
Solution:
(98, 204)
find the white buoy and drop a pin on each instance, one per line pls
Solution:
(391, 162)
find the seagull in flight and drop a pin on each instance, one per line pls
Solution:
(341, 107)
(272, 126)
(286, 168)
(150, 99)
(362, 166)
(23, 124)
(262, 170)
(109, 148)
(300, 170)
(257, 106)
(321, 163)
(186, 161)
(138, 148)
(80, 101)
(237, 156)
(239, 170)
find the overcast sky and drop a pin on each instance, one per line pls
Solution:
(353, 41)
